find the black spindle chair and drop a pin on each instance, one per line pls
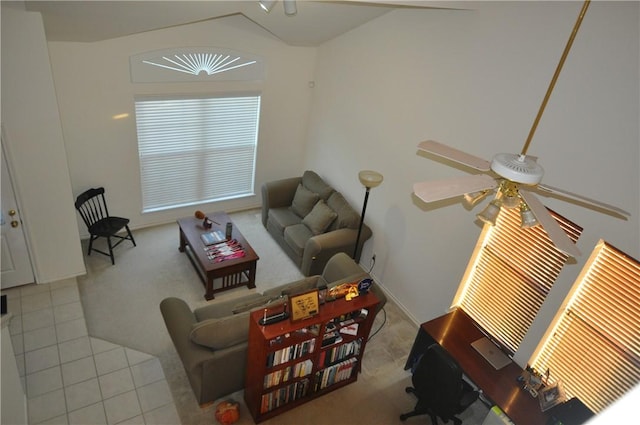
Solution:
(92, 207)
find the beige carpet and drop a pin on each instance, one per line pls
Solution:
(121, 305)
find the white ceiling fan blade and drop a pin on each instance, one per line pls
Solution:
(550, 225)
(453, 154)
(437, 190)
(601, 205)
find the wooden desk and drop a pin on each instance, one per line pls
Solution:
(455, 332)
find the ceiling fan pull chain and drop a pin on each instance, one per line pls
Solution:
(555, 76)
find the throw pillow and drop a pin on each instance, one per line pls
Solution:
(319, 218)
(303, 201)
(314, 183)
(221, 333)
(347, 216)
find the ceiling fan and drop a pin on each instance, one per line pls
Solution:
(515, 176)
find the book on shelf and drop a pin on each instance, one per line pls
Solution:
(334, 374)
(340, 352)
(299, 370)
(212, 238)
(291, 352)
(284, 395)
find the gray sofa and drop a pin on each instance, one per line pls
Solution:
(310, 220)
(212, 340)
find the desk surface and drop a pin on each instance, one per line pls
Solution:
(455, 332)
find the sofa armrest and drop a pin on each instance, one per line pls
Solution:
(223, 374)
(320, 248)
(339, 267)
(211, 373)
(179, 320)
(277, 194)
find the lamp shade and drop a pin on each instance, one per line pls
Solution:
(490, 213)
(370, 179)
(527, 217)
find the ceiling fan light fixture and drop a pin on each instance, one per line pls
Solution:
(490, 213)
(267, 5)
(290, 8)
(474, 197)
(510, 201)
(527, 217)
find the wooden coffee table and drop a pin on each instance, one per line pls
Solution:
(233, 272)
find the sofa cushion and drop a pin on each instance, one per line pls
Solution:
(280, 218)
(347, 216)
(301, 285)
(256, 303)
(221, 333)
(314, 183)
(303, 201)
(320, 217)
(220, 308)
(296, 237)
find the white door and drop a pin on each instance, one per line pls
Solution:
(16, 263)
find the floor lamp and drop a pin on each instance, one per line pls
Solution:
(369, 180)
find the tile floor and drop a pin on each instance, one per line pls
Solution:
(70, 377)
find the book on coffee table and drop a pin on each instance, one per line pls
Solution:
(213, 238)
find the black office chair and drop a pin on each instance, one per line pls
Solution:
(92, 207)
(439, 387)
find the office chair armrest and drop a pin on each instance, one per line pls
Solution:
(469, 396)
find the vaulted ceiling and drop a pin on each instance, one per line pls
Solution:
(314, 23)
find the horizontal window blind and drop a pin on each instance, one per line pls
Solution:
(594, 345)
(196, 150)
(511, 272)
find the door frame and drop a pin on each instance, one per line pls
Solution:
(8, 162)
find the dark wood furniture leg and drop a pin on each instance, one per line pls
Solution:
(252, 275)
(208, 295)
(182, 241)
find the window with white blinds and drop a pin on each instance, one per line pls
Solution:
(593, 346)
(509, 276)
(196, 150)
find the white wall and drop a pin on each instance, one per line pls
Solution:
(474, 79)
(35, 148)
(93, 84)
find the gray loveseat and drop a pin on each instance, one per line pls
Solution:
(310, 221)
(212, 340)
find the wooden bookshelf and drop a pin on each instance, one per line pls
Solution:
(290, 363)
